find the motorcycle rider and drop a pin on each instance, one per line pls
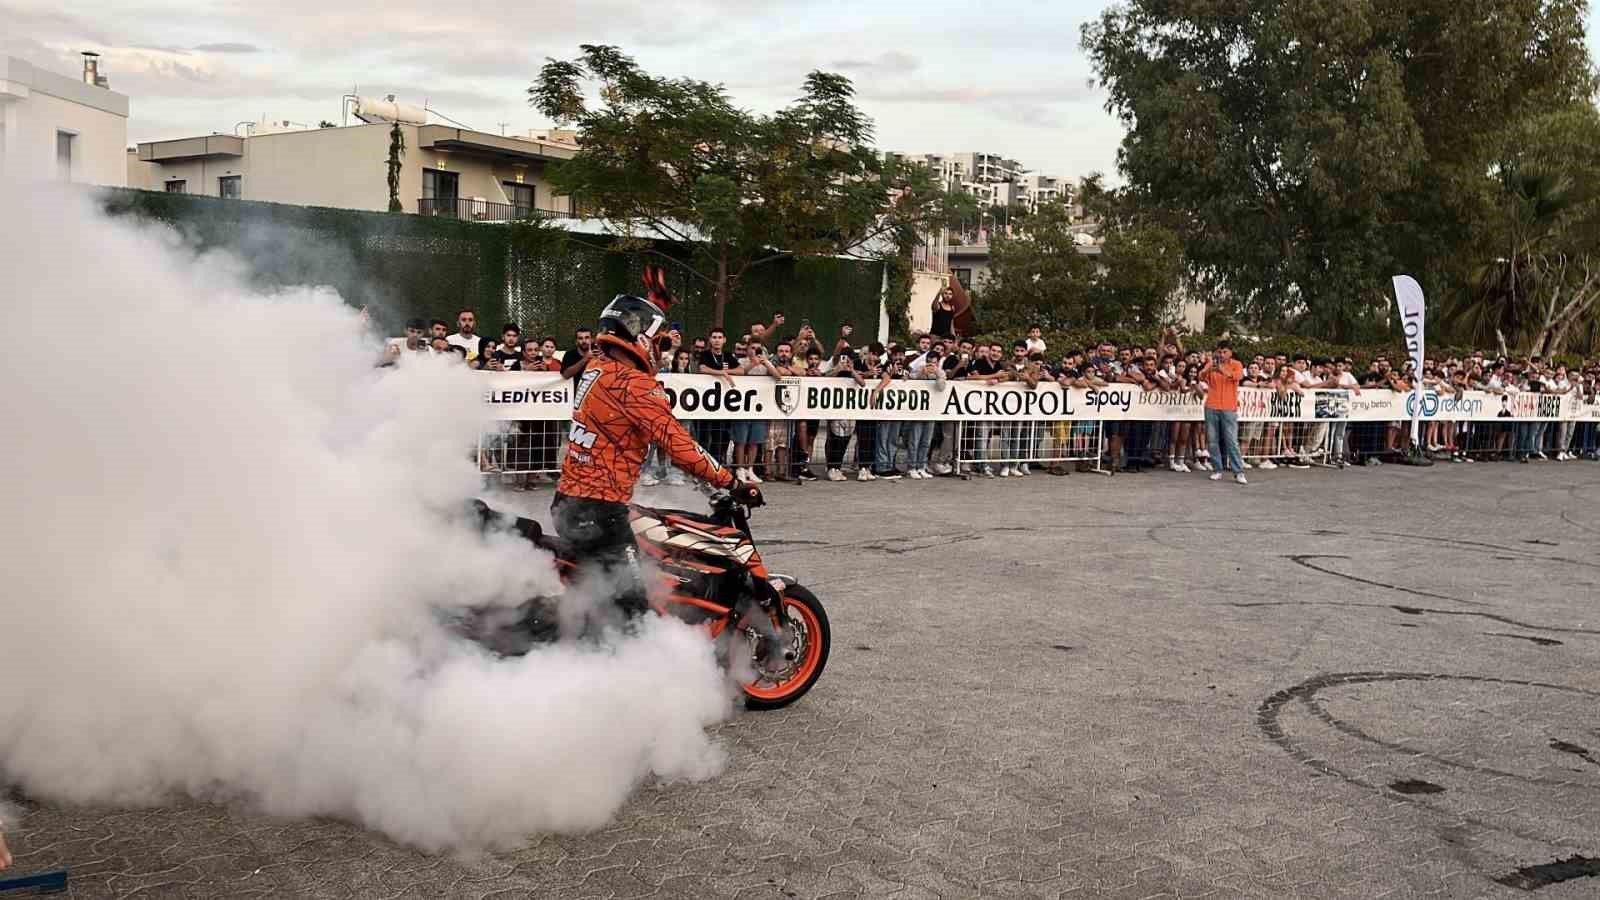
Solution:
(619, 410)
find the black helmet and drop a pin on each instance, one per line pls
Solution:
(631, 323)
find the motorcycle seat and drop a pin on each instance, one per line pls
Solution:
(562, 548)
(530, 529)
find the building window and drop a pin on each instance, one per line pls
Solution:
(64, 141)
(228, 187)
(439, 192)
(521, 197)
(178, 186)
(964, 276)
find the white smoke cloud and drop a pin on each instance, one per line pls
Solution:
(224, 532)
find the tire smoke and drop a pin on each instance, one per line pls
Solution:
(225, 535)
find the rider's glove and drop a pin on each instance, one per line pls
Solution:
(747, 494)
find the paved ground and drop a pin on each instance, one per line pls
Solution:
(1371, 683)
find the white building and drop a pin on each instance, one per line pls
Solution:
(54, 127)
(991, 178)
(445, 171)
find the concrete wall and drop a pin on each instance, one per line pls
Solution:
(341, 167)
(35, 104)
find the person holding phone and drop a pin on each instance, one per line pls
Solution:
(1221, 376)
(842, 345)
(944, 315)
(886, 435)
(750, 435)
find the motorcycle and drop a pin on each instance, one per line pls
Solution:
(708, 573)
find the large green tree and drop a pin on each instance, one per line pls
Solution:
(1537, 282)
(676, 158)
(1051, 272)
(1310, 150)
(1038, 275)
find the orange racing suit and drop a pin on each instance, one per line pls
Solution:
(618, 411)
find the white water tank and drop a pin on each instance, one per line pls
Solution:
(374, 111)
(273, 126)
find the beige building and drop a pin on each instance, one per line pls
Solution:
(55, 127)
(991, 178)
(445, 171)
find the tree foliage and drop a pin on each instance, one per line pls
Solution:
(1045, 274)
(397, 150)
(675, 157)
(1038, 276)
(1537, 283)
(1308, 151)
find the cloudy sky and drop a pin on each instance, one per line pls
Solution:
(1005, 77)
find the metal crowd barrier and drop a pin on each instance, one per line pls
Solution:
(996, 447)
(533, 450)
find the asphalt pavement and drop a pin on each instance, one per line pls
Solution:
(1371, 683)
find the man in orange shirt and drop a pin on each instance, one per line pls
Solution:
(618, 411)
(1221, 376)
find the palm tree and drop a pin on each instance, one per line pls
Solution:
(1546, 278)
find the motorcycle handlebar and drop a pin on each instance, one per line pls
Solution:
(723, 499)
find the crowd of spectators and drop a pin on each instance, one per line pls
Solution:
(782, 449)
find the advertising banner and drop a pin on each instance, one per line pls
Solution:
(1413, 321)
(546, 395)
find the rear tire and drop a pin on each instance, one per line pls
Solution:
(804, 610)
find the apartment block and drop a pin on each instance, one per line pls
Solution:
(445, 170)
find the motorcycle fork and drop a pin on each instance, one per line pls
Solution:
(760, 609)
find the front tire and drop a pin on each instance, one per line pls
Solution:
(810, 621)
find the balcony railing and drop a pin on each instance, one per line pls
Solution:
(479, 210)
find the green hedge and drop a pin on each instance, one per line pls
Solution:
(404, 265)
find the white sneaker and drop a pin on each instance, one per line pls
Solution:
(675, 478)
(1173, 465)
(1006, 471)
(1184, 467)
(942, 469)
(750, 476)
(1203, 465)
(988, 471)
(738, 473)
(914, 473)
(648, 480)
(1215, 476)
(835, 475)
(865, 474)
(1267, 464)
(1248, 464)
(1024, 470)
(1240, 478)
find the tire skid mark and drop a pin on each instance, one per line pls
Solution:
(1301, 559)
(1416, 611)
(1269, 721)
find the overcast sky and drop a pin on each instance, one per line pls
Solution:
(1003, 77)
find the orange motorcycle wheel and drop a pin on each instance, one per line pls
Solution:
(812, 637)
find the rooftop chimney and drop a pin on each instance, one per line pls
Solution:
(91, 70)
